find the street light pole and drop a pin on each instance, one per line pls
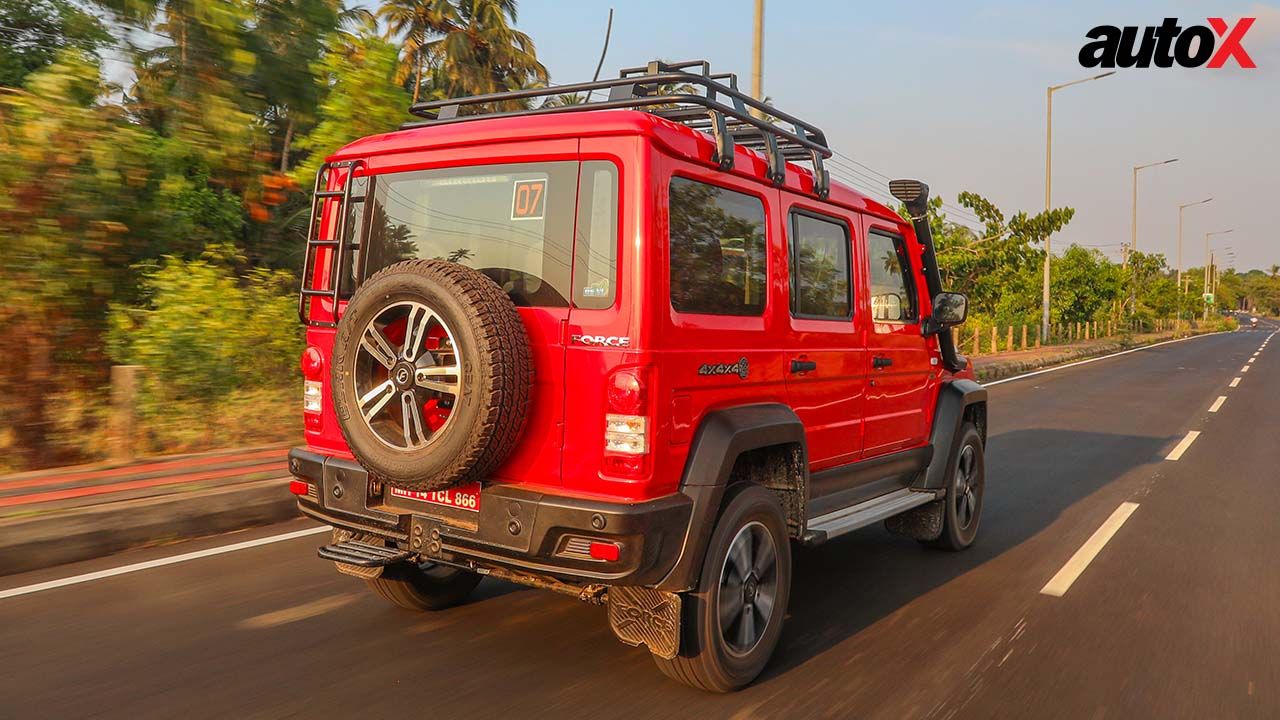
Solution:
(1181, 290)
(1133, 230)
(1208, 263)
(1133, 240)
(1048, 188)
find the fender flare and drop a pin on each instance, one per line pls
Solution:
(722, 436)
(953, 399)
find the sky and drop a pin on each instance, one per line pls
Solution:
(954, 94)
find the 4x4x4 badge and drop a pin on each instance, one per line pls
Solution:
(740, 368)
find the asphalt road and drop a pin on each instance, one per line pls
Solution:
(1176, 615)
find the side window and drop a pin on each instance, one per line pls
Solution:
(892, 294)
(717, 243)
(819, 268)
(596, 247)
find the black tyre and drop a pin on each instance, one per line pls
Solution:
(428, 586)
(963, 503)
(431, 375)
(732, 622)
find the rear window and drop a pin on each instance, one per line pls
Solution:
(514, 223)
(717, 250)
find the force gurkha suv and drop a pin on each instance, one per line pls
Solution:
(627, 351)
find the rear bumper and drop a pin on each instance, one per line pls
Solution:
(514, 528)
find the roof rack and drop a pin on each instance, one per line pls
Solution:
(684, 92)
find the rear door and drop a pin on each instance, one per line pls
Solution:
(826, 368)
(898, 368)
(508, 211)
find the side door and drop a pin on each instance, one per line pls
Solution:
(898, 363)
(826, 368)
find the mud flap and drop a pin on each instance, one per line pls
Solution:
(923, 523)
(642, 616)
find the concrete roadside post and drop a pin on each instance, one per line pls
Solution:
(995, 343)
(123, 419)
(1008, 340)
(1024, 336)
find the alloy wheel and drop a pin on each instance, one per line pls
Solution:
(748, 588)
(407, 375)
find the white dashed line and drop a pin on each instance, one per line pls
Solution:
(1251, 360)
(1060, 583)
(1235, 382)
(1217, 404)
(124, 569)
(1244, 369)
(1182, 446)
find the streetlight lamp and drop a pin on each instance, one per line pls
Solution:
(1208, 261)
(1048, 186)
(1181, 290)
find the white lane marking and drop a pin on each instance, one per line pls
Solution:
(1235, 382)
(1182, 445)
(125, 569)
(1060, 583)
(1251, 360)
(1244, 369)
(1056, 368)
(1217, 404)
(1257, 353)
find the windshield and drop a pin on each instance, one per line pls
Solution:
(514, 223)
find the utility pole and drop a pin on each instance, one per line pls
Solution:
(1048, 187)
(1133, 230)
(757, 63)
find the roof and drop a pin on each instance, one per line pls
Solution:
(675, 138)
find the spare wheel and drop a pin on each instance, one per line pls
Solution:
(431, 375)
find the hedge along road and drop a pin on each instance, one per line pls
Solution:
(1169, 616)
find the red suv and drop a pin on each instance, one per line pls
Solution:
(627, 350)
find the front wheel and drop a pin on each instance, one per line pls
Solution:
(425, 586)
(963, 503)
(733, 620)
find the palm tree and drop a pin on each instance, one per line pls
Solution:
(1274, 270)
(416, 22)
(480, 52)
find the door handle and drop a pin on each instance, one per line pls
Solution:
(799, 366)
(879, 362)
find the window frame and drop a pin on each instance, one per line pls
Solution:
(908, 276)
(766, 227)
(793, 250)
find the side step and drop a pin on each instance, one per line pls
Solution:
(845, 520)
(361, 554)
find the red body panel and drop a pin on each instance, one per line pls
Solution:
(849, 410)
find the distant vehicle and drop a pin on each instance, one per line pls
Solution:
(1253, 321)
(630, 355)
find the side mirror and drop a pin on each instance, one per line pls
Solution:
(949, 309)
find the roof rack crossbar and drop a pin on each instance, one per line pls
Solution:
(685, 92)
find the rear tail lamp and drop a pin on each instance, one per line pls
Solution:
(312, 363)
(312, 384)
(312, 396)
(299, 487)
(626, 423)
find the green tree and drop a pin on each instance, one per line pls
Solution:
(480, 52)
(32, 32)
(415, 23)
(1084, 285)
(362, 99)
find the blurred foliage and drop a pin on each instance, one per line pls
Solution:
(32, 32)
(161, 223)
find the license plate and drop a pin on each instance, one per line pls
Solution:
(466, 497)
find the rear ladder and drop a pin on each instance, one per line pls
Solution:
(337, 246)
